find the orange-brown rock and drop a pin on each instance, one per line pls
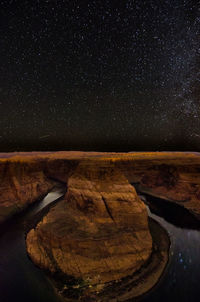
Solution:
(173, 176)
(98, 232)
(21, 183)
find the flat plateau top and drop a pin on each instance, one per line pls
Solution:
(81, 155)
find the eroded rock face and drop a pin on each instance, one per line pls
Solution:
(176, 180)
(21, 183)
(173, 176)
(99, 232)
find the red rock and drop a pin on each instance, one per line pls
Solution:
(172, 176)
(99, 231)
(21, 183)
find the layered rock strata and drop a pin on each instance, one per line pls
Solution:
(21, 183)
(26, 176)
(99, 232)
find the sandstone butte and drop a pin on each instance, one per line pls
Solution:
(99, 232)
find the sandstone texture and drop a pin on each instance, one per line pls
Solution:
(99, 232)
(170, 176)
(174, 176)
(25, 176)
(21, 183)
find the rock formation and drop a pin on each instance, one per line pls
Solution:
(21, 183)
(173, 176)
(170, 176)
(99, 232)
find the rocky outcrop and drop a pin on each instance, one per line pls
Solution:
(21, 183)
(173, 179)
(99, 232)
(173, 176)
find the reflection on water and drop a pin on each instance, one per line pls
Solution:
(20, 280)
(181, 281)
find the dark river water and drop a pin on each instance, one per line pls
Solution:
(181, 280)
(21, 281)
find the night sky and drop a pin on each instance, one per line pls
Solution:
(99, 75)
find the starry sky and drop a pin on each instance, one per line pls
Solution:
(99, 75)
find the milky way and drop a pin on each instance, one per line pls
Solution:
(104, 75)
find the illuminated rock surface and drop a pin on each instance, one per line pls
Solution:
(21, 183)
(98, 232)
(173, 176)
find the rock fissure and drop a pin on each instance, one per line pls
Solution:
(101, 251)
(108, 210)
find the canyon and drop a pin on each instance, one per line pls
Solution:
(99, 233)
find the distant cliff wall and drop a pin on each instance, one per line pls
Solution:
(169, 175)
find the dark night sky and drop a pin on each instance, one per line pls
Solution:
(99, 75)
